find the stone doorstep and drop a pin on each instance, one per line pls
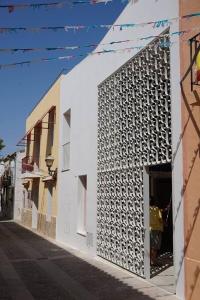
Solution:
(138, 283)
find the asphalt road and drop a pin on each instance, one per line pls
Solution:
(34, 268)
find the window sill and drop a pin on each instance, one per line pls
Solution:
(82, 233)
(65, 170)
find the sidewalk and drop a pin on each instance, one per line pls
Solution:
(142, 286)
(36, 268)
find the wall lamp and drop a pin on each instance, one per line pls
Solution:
(49, 162)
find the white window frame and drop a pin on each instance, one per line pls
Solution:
(66, 140)
(81, 204)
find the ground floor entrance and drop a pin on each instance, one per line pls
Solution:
(160, 190)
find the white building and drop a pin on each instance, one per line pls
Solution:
(106, 169)
(19, 190)
(1, 168)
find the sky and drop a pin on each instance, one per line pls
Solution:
(22, 87)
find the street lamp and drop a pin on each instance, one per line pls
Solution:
(49, 162)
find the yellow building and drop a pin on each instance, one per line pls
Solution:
(39, 167)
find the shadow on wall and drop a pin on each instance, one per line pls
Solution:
(195, 282)
(184, 188)
(196, 151)
(186, 181)
(195, 125)
(196, 154)
(35, 192)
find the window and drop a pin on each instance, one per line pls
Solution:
(28, 144)
(27, 161)
(66, 140)
(66, 156)
(50, 137)
(82, 199)
(36, 145)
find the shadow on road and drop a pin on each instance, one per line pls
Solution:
(49, 272)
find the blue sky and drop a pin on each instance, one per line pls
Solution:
(21, 87)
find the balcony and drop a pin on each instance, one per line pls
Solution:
(27, 164)
(30, 169)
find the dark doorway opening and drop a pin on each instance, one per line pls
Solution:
(160, 186)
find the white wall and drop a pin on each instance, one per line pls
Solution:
(177, 173)
(79, 92)
(2, 168)
(18, 193)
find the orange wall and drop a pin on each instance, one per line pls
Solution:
(191, 157)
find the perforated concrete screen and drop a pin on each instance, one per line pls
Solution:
(134, 130)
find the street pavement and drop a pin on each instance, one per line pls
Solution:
(32, 267)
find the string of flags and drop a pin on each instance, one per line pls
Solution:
(162, 44)
(12, 7)
(154, 24)
(60, 48)
(75, 47)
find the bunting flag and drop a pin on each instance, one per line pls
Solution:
(154, 24)
(69, 57)
(75, 47)
(12, 7)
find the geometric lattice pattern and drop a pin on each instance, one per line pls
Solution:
(134, 130)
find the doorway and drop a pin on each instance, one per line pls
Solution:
(160, 189)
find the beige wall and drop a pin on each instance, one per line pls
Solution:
(191, 157)
(50, 99)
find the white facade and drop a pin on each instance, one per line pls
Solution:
(19, 189)
(1, 168)
(79, 94)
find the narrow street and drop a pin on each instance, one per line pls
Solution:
(34, 268)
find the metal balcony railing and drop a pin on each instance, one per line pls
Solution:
(27, 164)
